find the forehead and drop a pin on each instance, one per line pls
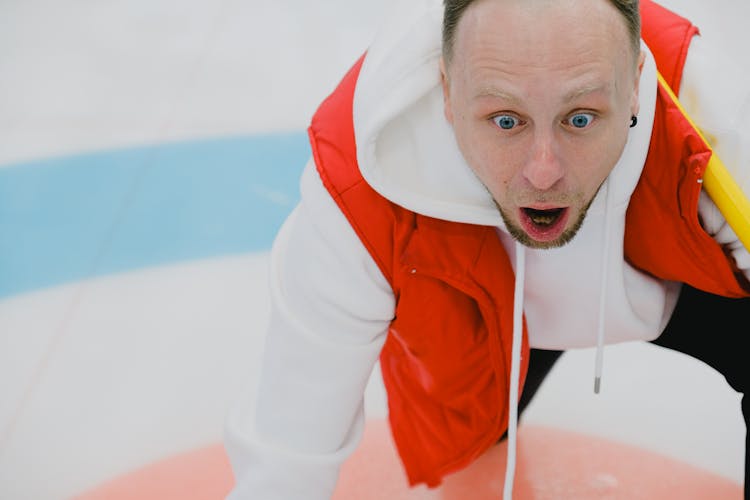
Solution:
(541, 35)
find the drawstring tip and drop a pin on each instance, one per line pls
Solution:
(597, 384)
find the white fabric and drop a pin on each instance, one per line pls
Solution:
(515, 371)
(323, 341)
(723, 115)
(331, 305)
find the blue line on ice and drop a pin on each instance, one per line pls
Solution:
(69, 218)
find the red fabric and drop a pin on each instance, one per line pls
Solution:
(668, 37)
(446, 361)
(447, 358)
(663, 235)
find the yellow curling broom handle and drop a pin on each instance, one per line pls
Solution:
(725, 193)
(729, 198)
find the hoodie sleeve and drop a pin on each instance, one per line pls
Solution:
(715, 92)
(330, 311)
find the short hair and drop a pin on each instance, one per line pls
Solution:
(454, 10)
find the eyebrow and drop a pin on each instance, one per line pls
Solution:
(570, 96)
(585, 90)
(495, 92)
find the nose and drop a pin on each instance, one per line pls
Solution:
(543, 168)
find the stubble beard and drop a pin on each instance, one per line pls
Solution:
(520, 235)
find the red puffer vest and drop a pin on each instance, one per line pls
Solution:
(446, 361)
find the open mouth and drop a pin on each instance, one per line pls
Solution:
(543, 218)
(544, 225)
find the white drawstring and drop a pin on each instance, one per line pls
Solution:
(599, 362)
(515, 370)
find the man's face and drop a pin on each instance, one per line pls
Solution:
(540, 95)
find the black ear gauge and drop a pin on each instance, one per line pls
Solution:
(633, 121)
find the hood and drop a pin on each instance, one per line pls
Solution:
(407, 152)
(405, 147)
(399, 122)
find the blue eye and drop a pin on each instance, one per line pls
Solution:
(505, 122)
(581, 120)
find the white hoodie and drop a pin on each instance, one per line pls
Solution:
(331, 306)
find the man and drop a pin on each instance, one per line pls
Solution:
(478, 203)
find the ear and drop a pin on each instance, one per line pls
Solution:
(444, 80)
(635, 102)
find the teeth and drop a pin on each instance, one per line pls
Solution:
(543, 217)
(543, 220)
